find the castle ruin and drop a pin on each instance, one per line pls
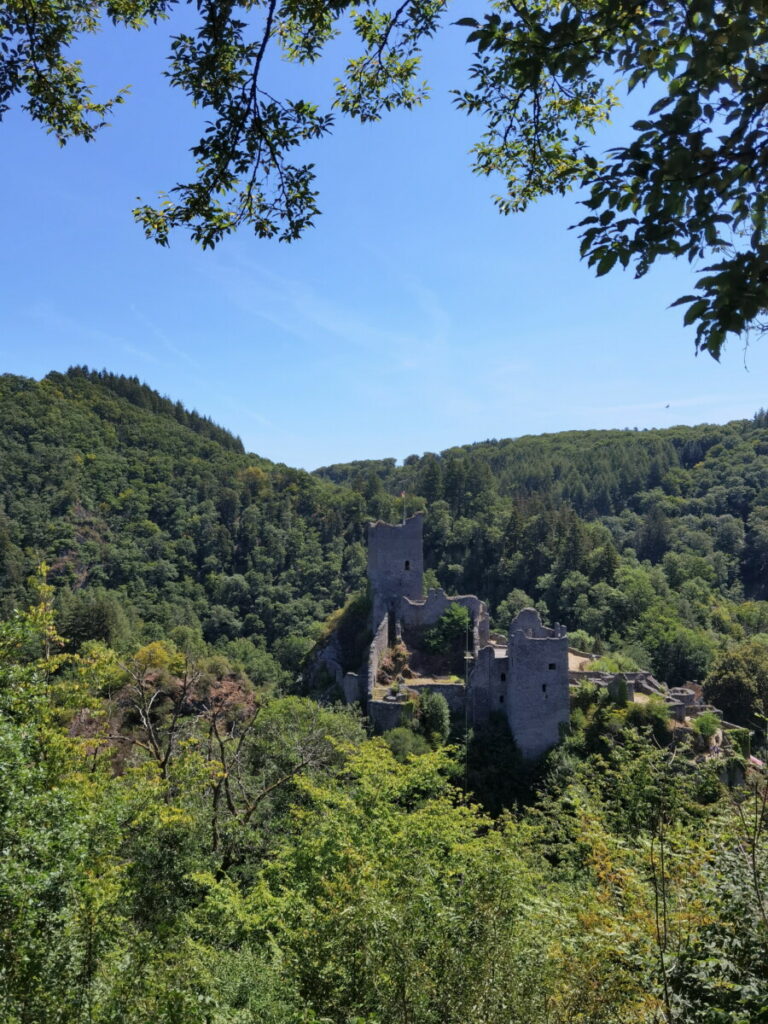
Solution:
(523, 676)
(527, 676)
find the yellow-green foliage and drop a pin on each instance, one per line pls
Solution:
(613, 663)
(276, 866)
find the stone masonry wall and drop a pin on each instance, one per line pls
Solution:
(384, 715)
(426, 612)
(376, 652)
(487, 685)
(395, 563)
(352, 689)
(538, 702)
(454, 694)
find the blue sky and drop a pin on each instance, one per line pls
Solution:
(412, 318)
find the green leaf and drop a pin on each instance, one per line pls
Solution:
(606, 263)
(694, 312)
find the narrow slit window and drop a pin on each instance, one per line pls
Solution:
(544, 688)
(503, 677)
(407, 566)
(501, 699)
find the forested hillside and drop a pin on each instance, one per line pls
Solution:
(651, 542)
(186, 841)
(151, 518)
(650, 545)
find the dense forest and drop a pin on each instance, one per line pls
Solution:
(180, 851)
(187, 838)
(649, 545)
(150, 518)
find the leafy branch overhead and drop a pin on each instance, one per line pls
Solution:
(544, 77)
(246, 169)
(692, 181)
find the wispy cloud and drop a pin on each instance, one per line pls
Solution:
(307, 315)
(132, 350)
(63, 323)
(427, 300)
(160, 335)
(67, 325)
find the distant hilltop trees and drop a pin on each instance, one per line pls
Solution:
(142, 396)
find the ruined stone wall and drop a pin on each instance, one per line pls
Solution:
(528, 621)
(385, 715)
(376, 652)
(328, 660)
(395, 563)
(683, 694)
(454, 693)
(646, 683)
(677, 710)
(699, 709)
(537, 699)
(425, 612)
(487, 686)
(612, 681)
(351, 687)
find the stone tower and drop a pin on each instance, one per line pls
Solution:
(537, 698)
(395, 563)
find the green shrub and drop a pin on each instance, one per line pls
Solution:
(581, 640)
(614, 663)
(654, 715)
(706, 725)
(448, 632)
(404, 743)
(741, 740)
(434, 717)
